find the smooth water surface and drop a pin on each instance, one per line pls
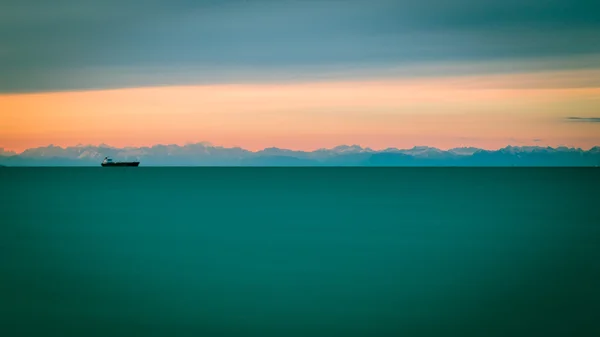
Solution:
(299, 252)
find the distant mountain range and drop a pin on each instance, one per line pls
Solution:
(205, 154)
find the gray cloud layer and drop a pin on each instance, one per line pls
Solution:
(40, 39)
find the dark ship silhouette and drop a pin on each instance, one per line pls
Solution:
(109, 162)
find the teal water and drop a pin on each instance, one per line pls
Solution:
(299, 252)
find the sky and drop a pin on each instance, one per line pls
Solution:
(300, 74)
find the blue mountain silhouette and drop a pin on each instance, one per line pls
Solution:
(205, 154)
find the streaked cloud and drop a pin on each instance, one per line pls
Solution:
(584, 119)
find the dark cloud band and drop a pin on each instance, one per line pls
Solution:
(38, 37)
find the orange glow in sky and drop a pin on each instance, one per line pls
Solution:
(484, 111)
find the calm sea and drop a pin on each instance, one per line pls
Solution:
(299, 252)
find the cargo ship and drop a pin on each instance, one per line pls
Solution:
(109, 162)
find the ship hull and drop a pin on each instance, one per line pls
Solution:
(135, 164)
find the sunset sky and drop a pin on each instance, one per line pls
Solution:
(300, 74)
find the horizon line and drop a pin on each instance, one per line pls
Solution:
(209, 144)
